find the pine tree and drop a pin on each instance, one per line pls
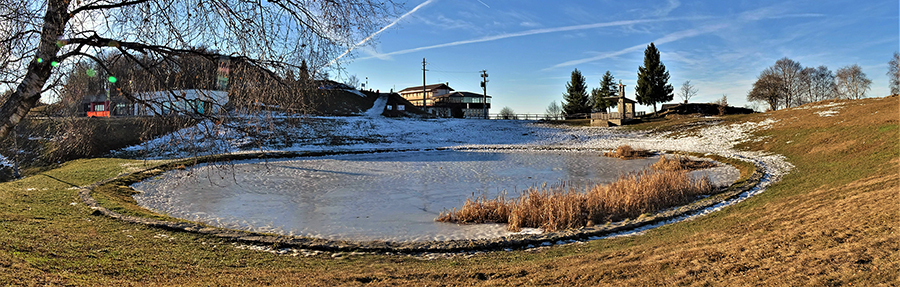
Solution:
(606, 91)
(653, 80)
(576, 96)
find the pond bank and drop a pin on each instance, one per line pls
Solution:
(738, 191)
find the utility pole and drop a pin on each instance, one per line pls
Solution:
(424, 100)
(484, 81)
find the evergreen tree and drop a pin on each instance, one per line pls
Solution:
(606, 91)
(576, 96)
(653, 80)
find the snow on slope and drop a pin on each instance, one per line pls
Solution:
(371, 133)
(377, 108)
(357, 92)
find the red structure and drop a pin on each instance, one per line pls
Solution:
(98, 109)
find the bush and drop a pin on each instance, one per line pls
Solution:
(680, 163)
(626, 152)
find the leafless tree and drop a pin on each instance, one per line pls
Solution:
(823, 86)
(554, 111)
(352, 81)
(768, 88)
(852, 83)
(894, 74)
(805, 86)
(789, 72)
(507, 113)
(722, 104)
(45, 42)
(687, 91)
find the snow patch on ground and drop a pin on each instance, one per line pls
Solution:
(833, 109)
(376, 133)
(828, 113)
(820, 106)
(378, 107)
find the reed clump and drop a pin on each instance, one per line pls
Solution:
(557, 207)
(479, 210)
(627, 152)
(680, 163)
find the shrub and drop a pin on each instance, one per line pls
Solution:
(678, 163)
(627, 152)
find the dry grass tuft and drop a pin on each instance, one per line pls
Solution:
(479, 210)
(677, 163)
(627, 152)
(558, 208)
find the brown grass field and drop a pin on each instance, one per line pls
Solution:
(832, 221)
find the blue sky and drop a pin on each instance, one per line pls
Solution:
(530, 48)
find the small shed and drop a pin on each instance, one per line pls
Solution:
(625, 111)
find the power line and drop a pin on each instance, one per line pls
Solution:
(455, 72)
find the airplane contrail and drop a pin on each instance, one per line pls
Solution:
(529, 33)
(662, 40)
(381, 30)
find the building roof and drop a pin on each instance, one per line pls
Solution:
(461, 94)
(627, 100)
(630, 101)
(427, 88)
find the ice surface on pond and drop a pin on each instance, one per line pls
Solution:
(381, 196)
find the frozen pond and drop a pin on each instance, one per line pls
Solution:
(381, 196)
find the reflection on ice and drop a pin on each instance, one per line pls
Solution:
(381, 196)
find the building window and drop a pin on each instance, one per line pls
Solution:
(390, 107)
(99, 108)
(401, 108)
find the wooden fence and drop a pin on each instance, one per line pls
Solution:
(526, 117)
(595, 116)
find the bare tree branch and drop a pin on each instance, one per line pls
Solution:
(43, 41)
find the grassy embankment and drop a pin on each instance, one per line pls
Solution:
(831, 221)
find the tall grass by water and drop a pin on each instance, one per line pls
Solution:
(553, 208)
(627, 152)
(680, 163)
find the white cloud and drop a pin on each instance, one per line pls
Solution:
(664, 11)
(529, 24)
